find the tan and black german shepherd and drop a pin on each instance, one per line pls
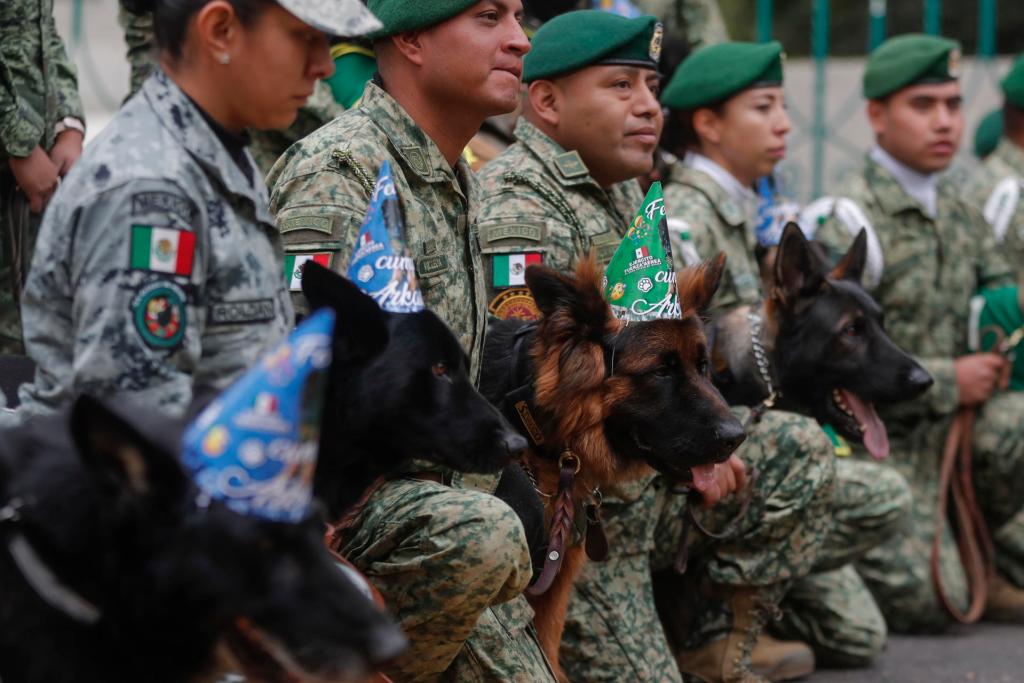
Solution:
(602, 401)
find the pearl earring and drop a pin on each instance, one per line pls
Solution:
(224, 58)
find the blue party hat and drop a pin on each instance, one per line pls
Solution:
(255, 447)
(381, 264)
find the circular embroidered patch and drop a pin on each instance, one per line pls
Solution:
(159, 315)
(514, 304)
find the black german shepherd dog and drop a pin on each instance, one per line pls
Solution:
(110, 570)
(399, 388)
(825, 343)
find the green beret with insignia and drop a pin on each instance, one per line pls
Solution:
(988, 133)
(717, 72)
(1013, 84)
(399, 16)
(583, 38)
(910, 59)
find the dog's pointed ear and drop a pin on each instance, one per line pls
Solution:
(580, 297)
(697, 284)
(851, 266)
(797, 274)
(125, 464)
(359, 321)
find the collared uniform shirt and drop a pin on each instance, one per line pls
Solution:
(995, 189)
(321, 187)
(539, 204)
(932, 267)
(158, 268)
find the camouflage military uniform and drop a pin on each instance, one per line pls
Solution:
(538, 198)
(995, 190)
(38, 89)
(931, 267)
(698, 22)
(266, 145)
(158, 267)
(423, 543)
(833, 612)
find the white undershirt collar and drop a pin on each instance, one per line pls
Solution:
(737, 191)
(920, 186)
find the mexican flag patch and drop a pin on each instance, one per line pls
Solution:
(510, 269)
(164, 250)
(293, 267)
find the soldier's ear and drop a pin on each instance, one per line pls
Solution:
(545, 101)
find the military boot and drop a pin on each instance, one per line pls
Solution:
(781, 660)
(728, 659)
(1005, 603)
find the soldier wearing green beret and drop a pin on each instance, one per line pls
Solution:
(988, 133)
(728, 123)
(929, 251)
(995, 187)
(568, 184)
(450, 560)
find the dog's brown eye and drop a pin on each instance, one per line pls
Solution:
(439, 369)
(851, 330)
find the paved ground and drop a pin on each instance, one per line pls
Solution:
(980, 654)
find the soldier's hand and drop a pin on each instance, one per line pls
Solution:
(37, 176)
(66, 150)
(731, 476)
(978, 375)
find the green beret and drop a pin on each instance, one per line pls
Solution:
(399, 16)
(583, 38)
(988, 133)
(1013, 84)
(908, 60)
(717, 72)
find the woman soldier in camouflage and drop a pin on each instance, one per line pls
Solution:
(159, 268)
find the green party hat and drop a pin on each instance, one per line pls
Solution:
(640, 283)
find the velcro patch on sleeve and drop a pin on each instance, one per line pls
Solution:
(162, 250)
(293, 264)
(160, 315)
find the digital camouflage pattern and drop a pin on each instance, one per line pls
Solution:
(841, 626)
(612, 629)
(451, 564)
(266, 145)
(697, 22)
(995, 188)
(932, 267)
(38, 88)
(321, 187)
(537, 198)
(413, 532)
(158, 268)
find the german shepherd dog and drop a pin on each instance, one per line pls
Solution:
(399, 388)
(826, 348)
(111, 569)
(608, 399)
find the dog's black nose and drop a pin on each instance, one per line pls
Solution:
(729, 434)
(919, 379)
(514, 443)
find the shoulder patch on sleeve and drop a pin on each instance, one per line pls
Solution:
(293, 263)
(159, 315)
(320, 223)
(144, 203)
(1001, 205)
(679, 231)
(531, 231)
(162, 249)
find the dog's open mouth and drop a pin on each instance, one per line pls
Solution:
(857, 419)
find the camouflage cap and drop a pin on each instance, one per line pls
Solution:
(408, 15)
(717, 72)
(584, 38)
(910, 59)
(988, 133)
(334, 17)
(1013, 84)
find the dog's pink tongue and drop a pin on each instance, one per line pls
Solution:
(703, 477)
(876, 439)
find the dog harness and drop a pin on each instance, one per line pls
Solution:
(40, 577)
